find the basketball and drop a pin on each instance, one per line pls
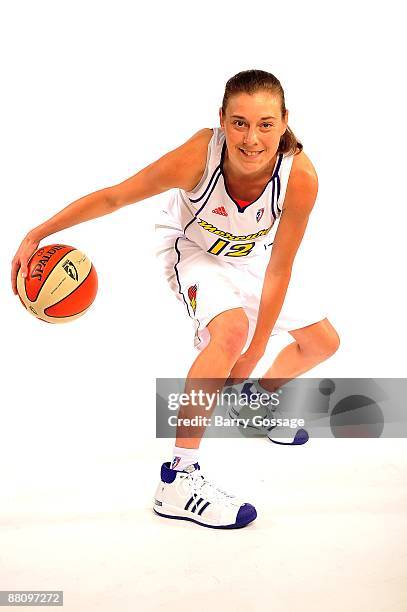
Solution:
(60, 286)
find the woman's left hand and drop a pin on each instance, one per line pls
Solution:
(242, 369)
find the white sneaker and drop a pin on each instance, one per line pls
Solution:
(254, 420)
(189, 496)
(260, 422)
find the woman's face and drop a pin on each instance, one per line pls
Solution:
(253, 123)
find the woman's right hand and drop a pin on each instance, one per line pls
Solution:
(25, 251)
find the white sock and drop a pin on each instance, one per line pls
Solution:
(183, 457)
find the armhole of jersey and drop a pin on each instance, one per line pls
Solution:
(287, 163)
(205, 173)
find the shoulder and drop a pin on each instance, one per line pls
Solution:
(191, 158)
(198, 143)
(203, 135)
(302, 185)
(302, 166)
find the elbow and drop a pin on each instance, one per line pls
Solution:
(111, 198)
(279, 273)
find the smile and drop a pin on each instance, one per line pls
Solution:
(250, 153)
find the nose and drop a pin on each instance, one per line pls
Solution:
(250, 138)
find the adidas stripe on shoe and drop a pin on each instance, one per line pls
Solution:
(188, 495)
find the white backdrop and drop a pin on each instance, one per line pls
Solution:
(93, 92)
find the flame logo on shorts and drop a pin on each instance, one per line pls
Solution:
(70, 269)
(192, 296)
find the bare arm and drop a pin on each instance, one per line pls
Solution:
(180, 168)
(300, 198)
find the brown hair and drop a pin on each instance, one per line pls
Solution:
(251, 81)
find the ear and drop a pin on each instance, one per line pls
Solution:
(284, 124)
(221, 118)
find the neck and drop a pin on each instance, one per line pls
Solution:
(254, 178)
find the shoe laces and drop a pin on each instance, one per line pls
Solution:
(200, 486)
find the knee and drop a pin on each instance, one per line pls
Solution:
(231, 337)
(332, 343)
(328, 344)
(322, 343)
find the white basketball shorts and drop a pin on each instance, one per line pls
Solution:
(208, 286)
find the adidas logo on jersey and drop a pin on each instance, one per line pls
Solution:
(220, 211)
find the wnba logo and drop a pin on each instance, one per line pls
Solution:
(70, 269)
(259, 214)
(63, 286)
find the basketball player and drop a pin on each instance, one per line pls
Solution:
(228, 238)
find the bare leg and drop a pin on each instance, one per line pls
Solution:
(313, 345)
(211, 369)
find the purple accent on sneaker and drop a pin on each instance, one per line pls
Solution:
(247, 513)
(246, 391)
(242, 522)
(203, 508)
(195, 506)
(168, 475)
(301, 437)
(189, 502)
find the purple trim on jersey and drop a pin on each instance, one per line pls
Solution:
(203, 205)
(207, 187)
(277, 168)
(176, 272)
(278, 192)
(273, 207)
(241, 209)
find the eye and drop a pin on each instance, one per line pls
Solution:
(236, 121)
(269, 124)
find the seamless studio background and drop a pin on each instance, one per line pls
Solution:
(92, 93)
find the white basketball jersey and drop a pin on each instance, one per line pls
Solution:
(211, 218)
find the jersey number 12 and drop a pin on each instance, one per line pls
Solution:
(236, 250)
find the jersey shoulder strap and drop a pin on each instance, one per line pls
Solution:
(212, 168)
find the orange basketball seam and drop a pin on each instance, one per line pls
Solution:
(66, 296)
(49, 273)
